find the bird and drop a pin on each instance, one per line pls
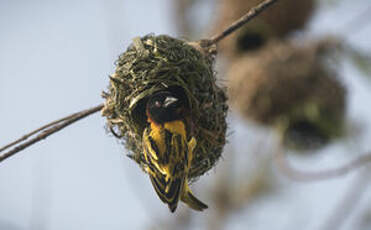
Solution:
(167, 151)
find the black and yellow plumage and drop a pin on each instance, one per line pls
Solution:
(167, 151)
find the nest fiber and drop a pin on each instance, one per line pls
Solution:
(155, 63)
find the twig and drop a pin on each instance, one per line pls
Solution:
(305, 176)
(59, 124)
(46, 131)
(253, 12)
(26, 136)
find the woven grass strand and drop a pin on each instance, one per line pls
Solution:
(53, 127)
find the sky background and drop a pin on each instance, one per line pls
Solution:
(55, 57)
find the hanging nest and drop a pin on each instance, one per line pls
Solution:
(290, 87)
(155, 63)
(278, 21)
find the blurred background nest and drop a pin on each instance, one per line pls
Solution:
(290, 87)
(301, 71)
(275, 81)
(283, 85)
(280, 21)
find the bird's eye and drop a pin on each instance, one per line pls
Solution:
(157, 104)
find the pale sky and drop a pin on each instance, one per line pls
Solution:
(55, 58)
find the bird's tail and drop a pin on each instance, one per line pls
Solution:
(169, 192)
(191, 200)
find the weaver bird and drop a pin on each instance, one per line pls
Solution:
(167, 151)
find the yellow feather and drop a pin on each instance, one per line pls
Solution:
(169, 177)
(177, 127)
(158, 135)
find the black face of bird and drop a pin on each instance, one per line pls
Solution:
(163, 106)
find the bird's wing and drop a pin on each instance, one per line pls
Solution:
(166, 170)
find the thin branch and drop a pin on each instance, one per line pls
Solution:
(59, 124)
(305, 176)
(26, 136)
(253, 12)
(48, 130)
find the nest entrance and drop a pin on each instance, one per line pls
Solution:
(249, 42)
(305, 134)
(139, 110)
(157, 63)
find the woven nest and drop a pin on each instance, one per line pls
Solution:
(289, 86)
(277, 21)
(155, 63)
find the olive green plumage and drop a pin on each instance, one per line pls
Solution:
(154, 63)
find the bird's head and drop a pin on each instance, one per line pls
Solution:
(163, 107)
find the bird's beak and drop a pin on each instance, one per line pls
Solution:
(169, 100)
